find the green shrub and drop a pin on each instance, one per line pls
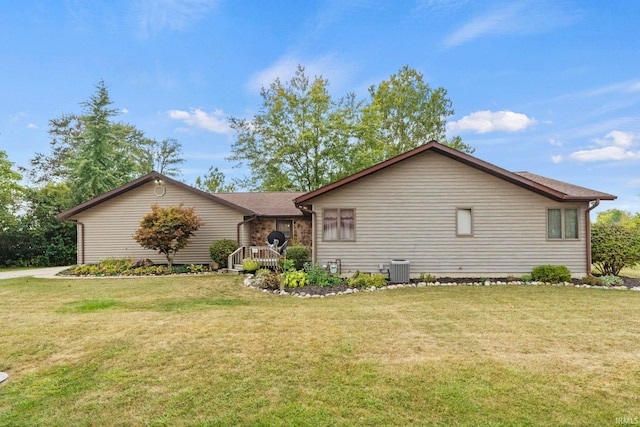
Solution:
(294, 279)
(84, 270)
(153, 270)
(220, 251)
(267, 280)
(287, 264)
(299, 255)
(611, 280)
(358, 280)
(197, 268)
(377, 280)
(316, 275)
(526, 278)
(364, 280)
(250, 265)
(429, 278)
(614, 247)
(592, 281)
(551, 273)
(263, 271)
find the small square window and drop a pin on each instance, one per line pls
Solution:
(464, 222)
(285, 226)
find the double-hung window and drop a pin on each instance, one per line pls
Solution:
(338, 224)
(562, 224)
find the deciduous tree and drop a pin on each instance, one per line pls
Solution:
(10, 191)
(214, 182)
(302, 138)
(297, 140)
(166, 156)
(614, 216)
(167, 229)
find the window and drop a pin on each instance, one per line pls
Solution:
(562, 223)
(285, 226)
(338, 224)
(464, 222)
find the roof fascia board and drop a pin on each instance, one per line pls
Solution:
(139, 182)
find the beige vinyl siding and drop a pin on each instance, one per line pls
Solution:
(109, 227)
(408, 211)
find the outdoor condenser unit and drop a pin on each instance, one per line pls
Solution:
(399, 271)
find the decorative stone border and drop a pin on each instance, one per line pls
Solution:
(248, 282)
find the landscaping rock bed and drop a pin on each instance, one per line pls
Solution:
(310, 291)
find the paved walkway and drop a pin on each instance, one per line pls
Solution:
(41, 273)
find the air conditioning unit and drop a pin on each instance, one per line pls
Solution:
(399, 271)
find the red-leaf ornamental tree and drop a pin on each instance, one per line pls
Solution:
(167, 229)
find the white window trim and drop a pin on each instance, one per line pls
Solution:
(458, 234)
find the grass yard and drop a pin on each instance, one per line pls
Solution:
(204, 350)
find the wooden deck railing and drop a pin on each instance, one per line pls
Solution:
(268, 257)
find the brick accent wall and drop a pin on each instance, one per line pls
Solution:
(261, 227)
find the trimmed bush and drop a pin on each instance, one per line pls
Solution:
(250, 265)
(551, 273)
(220, 251)
(299, 255)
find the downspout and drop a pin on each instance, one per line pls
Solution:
(588, 231)
(314, 235)
(240, 224)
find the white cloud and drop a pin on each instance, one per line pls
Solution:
(124, 111)
(518, 17)
(491, 121)
(628, 86)
(17, 116)
(155, 16)
(328, 66)
(32, 126)
(556, 142)
(440, 4)
(616, 145)
(557, 159)
(214, 121)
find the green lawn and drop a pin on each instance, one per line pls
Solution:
(205, 350)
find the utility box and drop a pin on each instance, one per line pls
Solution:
(399, 271)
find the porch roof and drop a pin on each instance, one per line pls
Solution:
(273, 204)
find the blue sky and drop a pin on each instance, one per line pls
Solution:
(549, 87)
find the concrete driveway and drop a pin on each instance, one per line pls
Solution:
(41, 273)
